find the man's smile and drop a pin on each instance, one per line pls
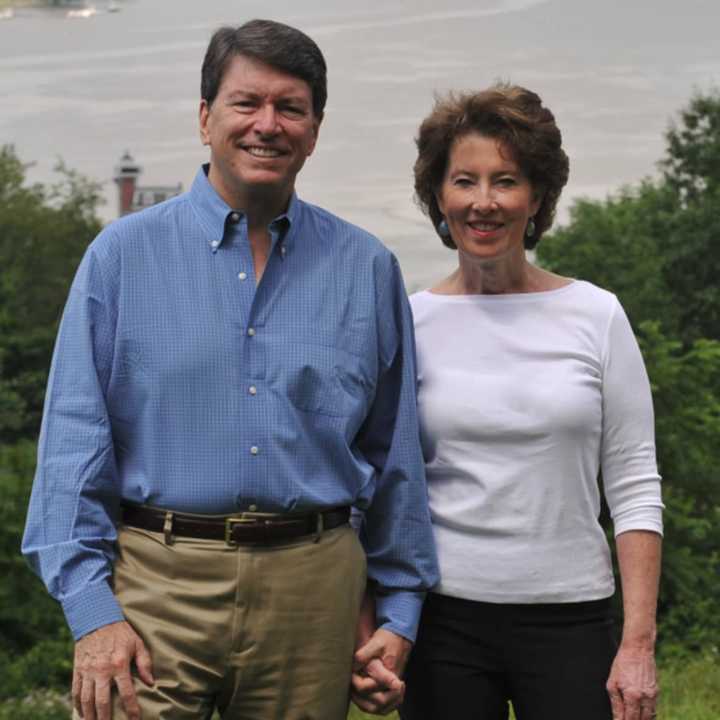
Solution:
(262, 151)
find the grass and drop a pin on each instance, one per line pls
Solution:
(690, 691)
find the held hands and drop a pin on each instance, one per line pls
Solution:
(377, 667)
(379, 660)
(103, 657)
(632, 684)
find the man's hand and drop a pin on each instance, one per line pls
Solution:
(377, 668)
(103, 657)
(632, 685)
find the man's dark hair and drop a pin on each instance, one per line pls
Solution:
(280, 46)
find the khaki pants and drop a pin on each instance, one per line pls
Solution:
(261, 633)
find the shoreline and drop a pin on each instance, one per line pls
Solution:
(17, 4)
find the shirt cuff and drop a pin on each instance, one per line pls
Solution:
(91, 608)
(643, 518)
(399, 611)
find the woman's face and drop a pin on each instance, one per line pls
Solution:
(485, 198)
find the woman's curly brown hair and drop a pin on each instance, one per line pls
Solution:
(514, 116)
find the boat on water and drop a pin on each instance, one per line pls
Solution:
(86, 12)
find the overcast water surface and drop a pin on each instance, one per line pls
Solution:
(614, 72)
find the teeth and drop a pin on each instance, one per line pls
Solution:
(263, 152)
(486, 226)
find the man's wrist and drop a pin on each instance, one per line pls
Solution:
(91, 608)
(399, 611)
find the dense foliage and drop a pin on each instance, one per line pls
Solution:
(43, 232)
(657, 245)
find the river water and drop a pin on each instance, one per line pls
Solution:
(614, 72)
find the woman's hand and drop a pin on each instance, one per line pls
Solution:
(632, 684)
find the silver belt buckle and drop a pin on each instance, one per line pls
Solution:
(230, 522)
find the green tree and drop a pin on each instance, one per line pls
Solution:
(692, 170)
(656, 245)
(36, 648)
(44, 231)
(687, 410)
(617, 243)
(692, 159)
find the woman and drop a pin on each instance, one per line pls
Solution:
(529, 384)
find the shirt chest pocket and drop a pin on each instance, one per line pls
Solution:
(325, 380)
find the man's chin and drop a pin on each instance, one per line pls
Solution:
(262, 181)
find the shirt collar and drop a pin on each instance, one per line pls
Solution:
(214, 213)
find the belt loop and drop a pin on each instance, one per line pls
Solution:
(167, 528)
(318, 527)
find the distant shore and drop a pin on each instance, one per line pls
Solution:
(17, 3)
(29, 3)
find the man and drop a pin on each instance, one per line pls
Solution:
(234, 370)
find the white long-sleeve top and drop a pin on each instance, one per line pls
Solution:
(523, 399)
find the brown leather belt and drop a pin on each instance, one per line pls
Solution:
(244, 528)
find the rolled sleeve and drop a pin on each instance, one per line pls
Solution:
(629, 468)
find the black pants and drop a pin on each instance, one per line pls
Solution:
(551, 660)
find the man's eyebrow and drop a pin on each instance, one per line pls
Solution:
(251, 95)
(243, 94)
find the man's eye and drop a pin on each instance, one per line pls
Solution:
(293, 110)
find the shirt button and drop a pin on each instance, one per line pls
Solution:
(214, 244)
(242, 275)
(252, 508)
(254, 450)
(251, 332)
(234, 217)
(252, 390)
(283, 250)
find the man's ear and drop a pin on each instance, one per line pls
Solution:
(317, 121)
(203, 115)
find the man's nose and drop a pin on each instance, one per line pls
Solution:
(266, 120)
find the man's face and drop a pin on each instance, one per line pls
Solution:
(260, 128)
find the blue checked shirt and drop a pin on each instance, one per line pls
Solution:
(177, 382)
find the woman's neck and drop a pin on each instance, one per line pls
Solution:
(498, 276)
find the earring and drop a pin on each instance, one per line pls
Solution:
(530, 229)
(442, 229)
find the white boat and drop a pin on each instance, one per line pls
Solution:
(83, 13)
(7, 14)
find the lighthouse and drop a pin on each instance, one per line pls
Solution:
(131, 196)
(126, 175)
